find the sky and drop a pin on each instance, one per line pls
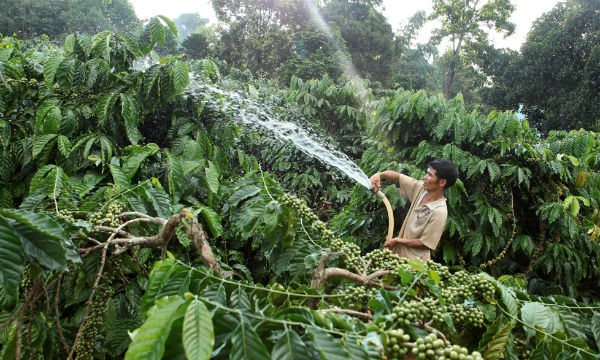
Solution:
(397, 12)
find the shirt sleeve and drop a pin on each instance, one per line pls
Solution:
(433, 230)
(409, 187)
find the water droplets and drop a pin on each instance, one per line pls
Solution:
(253, 115)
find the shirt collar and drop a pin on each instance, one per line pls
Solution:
(434, 204)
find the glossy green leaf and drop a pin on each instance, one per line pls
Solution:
(12, 259)
(160, 201)
(159, 276)
(496, 346)
(212, 177)
(541, 352)
(198, 333)
(65, 73)
(595, 325)
(296, 314)
(175, 174)
(290, 347)
(41, 143)
(149, 340)
(105, 107)
(246, 344)
(131, 116)
(213, 220)
(42, 237)
(64, 145)
(327, 346)
(157, 31)
(136, 156)
(240, 300)
(119, 176)
(180, 74)
(150, 76)
(101, 44)
(509, 300)
(535, 314)
(50, 68)
(46, 111)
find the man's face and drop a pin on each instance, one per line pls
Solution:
(431, 181)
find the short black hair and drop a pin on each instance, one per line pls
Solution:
(444, 169)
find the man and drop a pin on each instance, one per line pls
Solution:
(426, 218)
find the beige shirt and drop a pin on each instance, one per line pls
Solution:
(424, 222)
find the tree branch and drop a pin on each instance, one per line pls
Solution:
(356, 314)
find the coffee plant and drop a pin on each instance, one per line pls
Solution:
(140, 219)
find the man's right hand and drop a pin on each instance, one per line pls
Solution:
(376, 181)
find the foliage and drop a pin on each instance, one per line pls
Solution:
(188, 24)
(144, 217)
(566, 96)
(258, 33)
(367, 35)
(463, 22)
(315, 54)
(527, 199)
(199, 45)
(340, 110)
(56, 19)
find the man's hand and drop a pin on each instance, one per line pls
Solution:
(376, 181)
(390, 243)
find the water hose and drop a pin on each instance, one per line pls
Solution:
(390, 212)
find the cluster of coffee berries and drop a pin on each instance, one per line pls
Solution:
(467, 315)
(483, 287)
(523, 351)
(109, 217)
(458, 288)
(66, 215)
(397, 344)
(351, 252)
(441, 270)
(430, 347)
(409, 312)
(356, 297)
(84, 348)
(26, 281)
(383, 259)
(299, 206)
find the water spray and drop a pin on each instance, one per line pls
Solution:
(256, 117)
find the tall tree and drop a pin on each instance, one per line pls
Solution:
(257, 33)
(201, 44)
(57, 18)
(463, 23)
(561, 68)
(411, 69)
(502, 67)
(368, 36)
(315, 53)
(188, 24)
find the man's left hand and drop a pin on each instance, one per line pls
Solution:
(389, 244)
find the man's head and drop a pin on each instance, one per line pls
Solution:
(444, 170)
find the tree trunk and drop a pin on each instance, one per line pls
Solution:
(449, 80)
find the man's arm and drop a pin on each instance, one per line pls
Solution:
(384, 175)
(411, 243)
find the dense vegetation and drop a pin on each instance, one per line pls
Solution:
(141, 218)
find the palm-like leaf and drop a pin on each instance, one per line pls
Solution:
(198, 333)
(12, 258)
(149, 340)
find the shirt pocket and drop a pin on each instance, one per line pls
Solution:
(422, 215)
